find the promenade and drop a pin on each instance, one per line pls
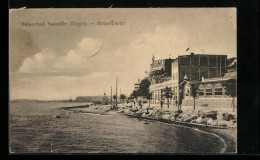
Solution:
(172, 108)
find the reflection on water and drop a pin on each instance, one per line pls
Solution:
(35, 129)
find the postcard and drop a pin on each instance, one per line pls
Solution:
(123, 80)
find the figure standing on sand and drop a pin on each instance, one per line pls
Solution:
(140, 104)
(161, 104)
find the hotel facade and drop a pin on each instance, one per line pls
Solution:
(208, 71)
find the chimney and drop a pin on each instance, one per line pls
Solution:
(192, 54)
(202, 79)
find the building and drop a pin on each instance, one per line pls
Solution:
(210, 91)
(88, 98)
(193, 67)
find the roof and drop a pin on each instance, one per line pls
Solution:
(228, 76)
(185, 77)
(202, 55)
(231, 74)
(156, 68)
(191, 82)
(233, 63)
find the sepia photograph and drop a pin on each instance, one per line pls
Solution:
(123, 80)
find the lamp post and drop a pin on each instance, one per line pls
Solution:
(116, 92)
(111, 98)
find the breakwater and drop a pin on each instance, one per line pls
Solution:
(195, 118)
(211, 119)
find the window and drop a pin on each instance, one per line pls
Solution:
(208, 90)
(204, 72)
(218, 89)
(195, 74)
(212, 61)
(222, 61)
(187, 92)
(184, 60)
(201, 90)
(212, 72)
(203, 61)
(195, 60)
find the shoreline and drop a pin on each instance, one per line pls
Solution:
(226, 135)
(228, 140)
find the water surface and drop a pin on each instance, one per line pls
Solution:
(35, 129)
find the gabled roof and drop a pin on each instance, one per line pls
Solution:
(185, 77)
(191, 82)
(232, 63)
(231, 75)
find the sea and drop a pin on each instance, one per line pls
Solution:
(43, 127)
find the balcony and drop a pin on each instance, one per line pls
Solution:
(163, 84)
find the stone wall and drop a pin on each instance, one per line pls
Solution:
(210, 102)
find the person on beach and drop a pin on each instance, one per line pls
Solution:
(161, 104)
(140, 104)
(179, 103)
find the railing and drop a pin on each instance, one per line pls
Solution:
(162, 80)
(214, 79)
(163, 84)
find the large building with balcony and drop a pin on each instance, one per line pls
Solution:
(196, 68)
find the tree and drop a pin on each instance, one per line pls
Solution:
(122, 97)
(168, 94)
(144, 87)
(134, 95)
(114, 97)
(149, 97)
(194, 93)
(230, 87)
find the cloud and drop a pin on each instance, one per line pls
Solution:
(74, 74)
(49, 61)
(165, 41)
(99, 72)
(40, 62)
(21, 47)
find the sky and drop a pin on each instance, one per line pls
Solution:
(54, 62)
